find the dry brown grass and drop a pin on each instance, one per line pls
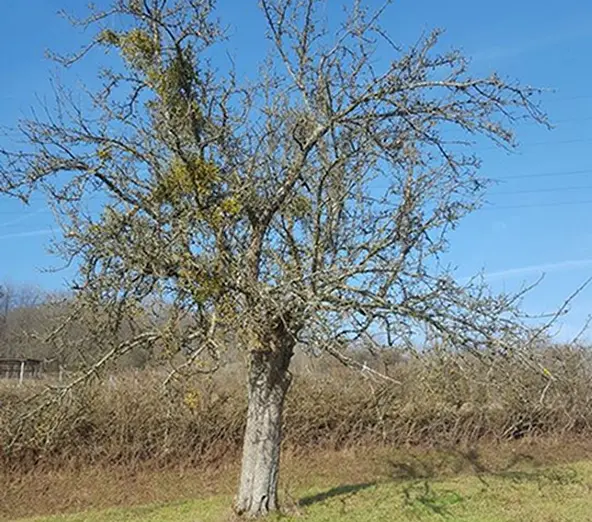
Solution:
(99, 487)
(131, 421)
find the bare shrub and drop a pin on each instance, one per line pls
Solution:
(434, 399)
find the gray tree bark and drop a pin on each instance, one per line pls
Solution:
(268, 384)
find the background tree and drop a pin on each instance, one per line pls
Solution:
(5, 299)
(21, 312)
(308, 207)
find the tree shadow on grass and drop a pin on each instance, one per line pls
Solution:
(454, 462)
(339, 491)
(420, 474)
(537, 473)
(421, 494)
(419, 477)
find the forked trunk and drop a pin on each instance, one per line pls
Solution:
(268, 383)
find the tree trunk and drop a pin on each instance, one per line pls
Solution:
(268, 384)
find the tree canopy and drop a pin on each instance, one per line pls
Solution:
(308, 207)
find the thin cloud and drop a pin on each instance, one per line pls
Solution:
(31, 233)
(24, 217)
(562, 266)
(502, 52)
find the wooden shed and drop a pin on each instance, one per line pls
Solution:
(19, 368)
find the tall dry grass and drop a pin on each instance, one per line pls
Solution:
(130, 419)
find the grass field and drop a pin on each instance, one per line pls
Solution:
(514, 483)
(551, 495)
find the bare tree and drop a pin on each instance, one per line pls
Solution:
(5, 299)
(308, 207)
(19, 314)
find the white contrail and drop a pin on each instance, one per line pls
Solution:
(24, 217)
(31, 233)
(514, 49)
(561, 266)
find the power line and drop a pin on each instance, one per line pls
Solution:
(572, 120)
(537, 191)
(540, 143)
(572, 98)
(553, 122)
(557, 142)
(498, 178)
(545, 174)
(538, 205)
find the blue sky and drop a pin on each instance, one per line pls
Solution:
(539, 214)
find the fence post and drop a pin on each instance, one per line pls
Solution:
(22, 373)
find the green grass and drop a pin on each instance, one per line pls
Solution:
(524, 494)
